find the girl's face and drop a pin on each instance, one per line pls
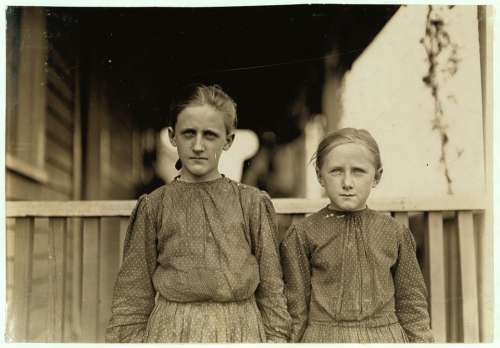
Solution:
(200, 136)
(348, 174)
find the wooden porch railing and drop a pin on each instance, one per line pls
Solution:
(85, 243)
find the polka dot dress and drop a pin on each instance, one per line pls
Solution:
(200, 264)
(353, 277)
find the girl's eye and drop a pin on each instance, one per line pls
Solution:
(210, 136)
(358, 171)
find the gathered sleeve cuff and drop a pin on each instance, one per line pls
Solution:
(297, 275)
(134, 294)
(410, 292)
(269, 295)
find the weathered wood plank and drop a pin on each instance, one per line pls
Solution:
(57, 131)
(59, 63)
(453, 290)
(18, 187)
(76, 284)
(468, 270)
(68, 281)
(23, 267)
(59, 180)
(59, 155)
(25, 168)
(436, 274)
(62, 86)
(59, 108)
(282, 206)
(303, 205)
(57, 267)
(70, 208)
(485, 256)
(108, 269)
(90, 279)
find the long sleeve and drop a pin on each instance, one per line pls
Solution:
(297, 275)
(270, 292)
(411, 293)
(134, 294)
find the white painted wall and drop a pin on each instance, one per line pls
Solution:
(384, 94)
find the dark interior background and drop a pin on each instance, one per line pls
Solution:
(263, 56)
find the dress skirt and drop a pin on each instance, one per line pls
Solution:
(319, 332)
(205, 322)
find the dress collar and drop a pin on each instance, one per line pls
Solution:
(344, 214)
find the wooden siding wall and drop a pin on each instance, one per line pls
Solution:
(60, 123)
(59, 166)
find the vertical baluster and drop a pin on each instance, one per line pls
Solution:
(468, 272)
(434, 242)
(57, 268)
(297, 217)
(90, 279)
(68, 281)
(23, 268)
(108, 269)
(402, 218)
(453, 289)
(76, 281)
(485, 259)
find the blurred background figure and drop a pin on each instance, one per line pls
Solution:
(150, 179)
(245, 146)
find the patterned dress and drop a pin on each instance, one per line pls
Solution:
(200, 264)
(353, 277)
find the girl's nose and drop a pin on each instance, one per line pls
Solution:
(198, 145)
(347, 183)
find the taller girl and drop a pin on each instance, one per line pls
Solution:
(351, 274)
(200, 258)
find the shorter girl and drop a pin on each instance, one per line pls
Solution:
(351, 274)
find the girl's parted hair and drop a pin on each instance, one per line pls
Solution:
(199, 94)
(346, 136)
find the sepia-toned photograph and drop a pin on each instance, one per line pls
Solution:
(289, 173)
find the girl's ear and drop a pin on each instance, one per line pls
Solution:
(229, 141)
(378, 176)
(171, 136)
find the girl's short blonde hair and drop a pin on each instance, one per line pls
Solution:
(347, 136)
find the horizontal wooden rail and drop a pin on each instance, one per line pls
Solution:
(92, 244)
(282, 206)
